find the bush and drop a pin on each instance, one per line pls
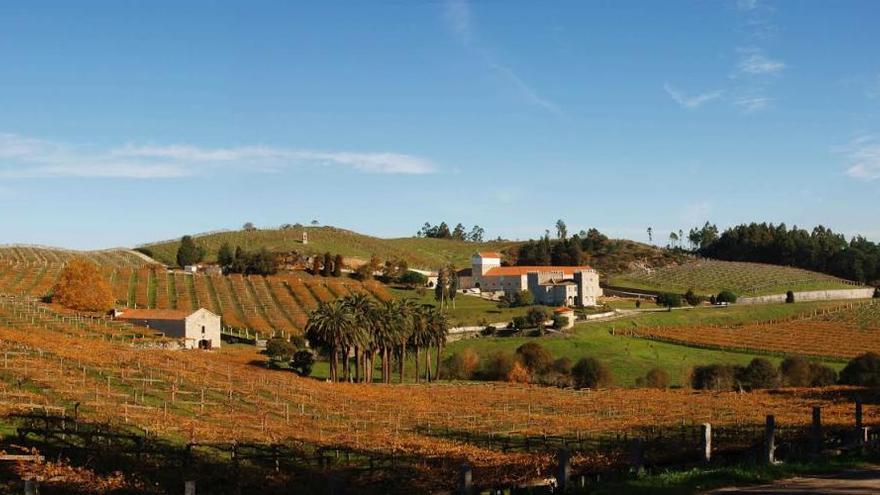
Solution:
(145, 251)
(536, 317)
(725, 296)
(413, 279)
(280, 349)
(862, 370)
(82, 286)
(499, 366)
(591, 373)
(798, 372)
(519, 323)
(789, 297)
(302, 362)
(657, 378)
(188, 253)
(693, 299)
(760, 373)
(518, 373)
(669, 300)
(559, 322)
(562, 366)
(488, 331)
(461, 365)
(876, 292)
(714, 377)
(534, 357)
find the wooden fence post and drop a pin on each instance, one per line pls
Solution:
(563, 469)
(816, 431)
(465, 479)
(769, 440)
(706, 441)
(189, 488)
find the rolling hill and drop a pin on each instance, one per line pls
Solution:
(42, 254)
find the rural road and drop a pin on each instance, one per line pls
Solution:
(855, 482)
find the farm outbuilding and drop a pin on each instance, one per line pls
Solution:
(199, 329)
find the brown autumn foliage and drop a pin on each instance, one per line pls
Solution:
(81, 286)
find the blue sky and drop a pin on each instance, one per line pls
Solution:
(123, 122)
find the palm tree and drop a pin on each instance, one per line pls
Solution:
(439, 326)
(361, 308)
(329, 326)
(406, 314)
(421, 338)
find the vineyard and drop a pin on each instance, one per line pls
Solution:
(841, 332)
(507, 432)
(745, 279)
(40, 255)
(270, 304)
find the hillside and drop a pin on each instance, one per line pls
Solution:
(418, 252)
(745, 279)
(265, 304)
(42, 254)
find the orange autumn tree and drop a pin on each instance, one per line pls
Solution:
(82, 287)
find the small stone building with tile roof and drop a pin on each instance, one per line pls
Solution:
(199, 329)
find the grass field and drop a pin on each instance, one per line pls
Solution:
(468, 311)
(631, 357)
(104, 257)
(745, 279)
(418, 252)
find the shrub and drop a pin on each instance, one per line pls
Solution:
(795, 372)
(714, 377)
(638, 303)
(669, 300)
(488, 331)
(81, 286)
(862, 370)
(280, 349)
(461, 365)
(693, 299)
(789, 297)
(559, 322)
(302, 362)
(760, 373)
(534, 357)
(413, 279)
(523, 298)
(518, 373)
(188, 253)
(149, 252)
(821, 375)
(536, 317)
(562, 366)
(499, 365)
(725, 296)
(876, 292)
(591, 373)
(519, 323)
(657, 378)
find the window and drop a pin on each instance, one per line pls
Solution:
(203, 329)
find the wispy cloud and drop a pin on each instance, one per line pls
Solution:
(27, 157)
(751, 104)
(459, 17)
(746, 4)
(691, 101)
(863, 155)
(756, 63)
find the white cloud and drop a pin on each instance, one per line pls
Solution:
(691, 101)
(756, 63)
(751, 104)
(25, 157)
(746, 4)
(863, 155)
(459, 17)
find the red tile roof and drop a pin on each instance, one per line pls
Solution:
(562, 309)
(489, 254)
(512, 271)
(153, 314)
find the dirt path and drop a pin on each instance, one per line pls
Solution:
(855, 482)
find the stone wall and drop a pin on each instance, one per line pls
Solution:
(813, 295)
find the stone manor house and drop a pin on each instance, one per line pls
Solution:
(551, 285)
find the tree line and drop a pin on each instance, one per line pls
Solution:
(563, 250)
(377, 332)
(819, 249)
(458, 233)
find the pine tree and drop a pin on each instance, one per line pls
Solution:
(188, 253)
(225, 256)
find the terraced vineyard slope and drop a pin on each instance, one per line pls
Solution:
(278, 303)
(841, 332)
(745, 279)
(40, 254)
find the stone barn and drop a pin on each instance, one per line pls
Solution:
(199, 329)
